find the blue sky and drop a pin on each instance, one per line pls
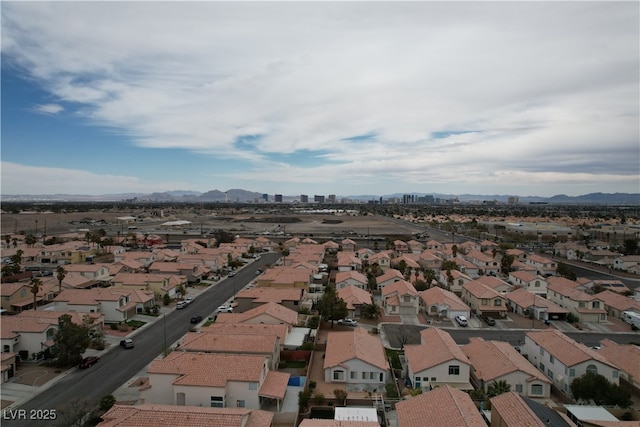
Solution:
(342, 98)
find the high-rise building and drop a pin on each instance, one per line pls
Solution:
(331, 198)
(304, 198)
(265, 197)
(513, 200)
(277, 198)
(318, 199)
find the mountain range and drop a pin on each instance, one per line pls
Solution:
(244, 196)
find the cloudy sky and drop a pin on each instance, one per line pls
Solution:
(345, 98)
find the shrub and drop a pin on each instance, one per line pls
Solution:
(319, 398)
(107, 402)
(166, 299)
(312, 385)
(303, 398)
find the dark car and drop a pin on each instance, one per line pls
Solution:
(196, 319)
(89, 361)
(127, 343)
(490, 321)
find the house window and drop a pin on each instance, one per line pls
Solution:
(217, 402)
(497, 302)
(592, 369)
(551, 359)
(433, 379)
(372, 375)
(541, 351)
(338, 375)
(550, 373)
(485, 301)
(253, 385)
(518, 388)
(614, 374)
(240, 403)
(364, 375)
(572, 372)
(581, 304)
(454, 370)
(537, 283)
(353, 375)
(596, 304)
(417, 382)
(407, 298)
(536, 389)
(542, 368)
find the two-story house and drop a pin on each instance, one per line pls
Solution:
(437, 361)
(524, 303)
(563, 360)
(351, 278)
(494, 361)
(530, 281)
(544, 266)
(389, 277)
(443, 406)
(484, 300)
(356, 358)
(587, 308)
(250, 298)
(442, 303)
(400, 298)
(355, 298)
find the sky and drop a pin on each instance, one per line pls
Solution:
(345, 98)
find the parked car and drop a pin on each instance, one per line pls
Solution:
(126, 343)
(347, 322)
(462, 320)
(231, 274)
(181, 304)
(196, 319)
(225, 309)
(188, 300)
(89, 361)
(489, 320)
(258, 272)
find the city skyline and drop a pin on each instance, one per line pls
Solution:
(349, 98)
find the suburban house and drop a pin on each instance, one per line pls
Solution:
(210, 341)
(269, 314)
(400, 247)
(530, 281)
(348, 261)
(428, 259)
(356, 358)
(285, 277)
(351, 278)
(232, 329)
(355, 298)
(544, 266)
(17, 296)
(348, 245)
(98, 272)
(511, 409)
(523, 302)
(453, 280)
(443, 406)
(466, 267)
(630, 263)
(213, 380)
(486, 264)
(442, 303)
(587, 308)
(434, 245)
(250, 298)
(171, 415)
(193, 272)
(73, 252)
(415, 247)
(493, 361)
(382, 259)
(437, 361)
(400, 297)
(8, 366)
(159, 284)
(496, 284)
(31, 332)
(595, 286)
(484, 300)
(390, 276)
(117, 305)
(562, 359)
(626, 357)
(615, 304)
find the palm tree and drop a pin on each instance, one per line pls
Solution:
(61, 273)
(36, 285)
(498, 387)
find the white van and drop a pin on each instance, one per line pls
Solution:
(181, 304)
(632, 318)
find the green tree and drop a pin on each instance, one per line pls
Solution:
(222, 236)
(596, 387)
(631, 247)
(449, 265)
(166, 299)
(70, 341)
(61, 273)
(107, 402)
(331, 306)
(506, 262)
(30, 240)
(36, 285)
(498, 387)
(371, 311)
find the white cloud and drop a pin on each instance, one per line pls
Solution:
(48, 108)
(543, 87)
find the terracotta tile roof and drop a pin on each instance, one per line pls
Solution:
(563, 348)
(617, 301)
(524, 298)
(209, 370)
(442, 407)
(492, 360)
(219, 343)
(514, 412)
(625, 356)
(355, 344)
(493, 282)
(571, 293)
(286, 275)
(557, 280)
(354, 296)
(272, 309)
(281, 331)
(437, 295)
(480, 290)
(312, 422)
(192, 416)
(525, 276)
(32, 321)
(437, 347)
(390, 275)
(275, 385)
(277, 295)
(401, 287)
(341, 276)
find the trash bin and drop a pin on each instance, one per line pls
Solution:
(546, 322)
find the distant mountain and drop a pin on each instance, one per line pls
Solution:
(598, 198)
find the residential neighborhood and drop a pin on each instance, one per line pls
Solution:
(320, 329)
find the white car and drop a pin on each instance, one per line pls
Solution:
(225, 309)
(188, 300)
(347, 322)
(462, 321)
